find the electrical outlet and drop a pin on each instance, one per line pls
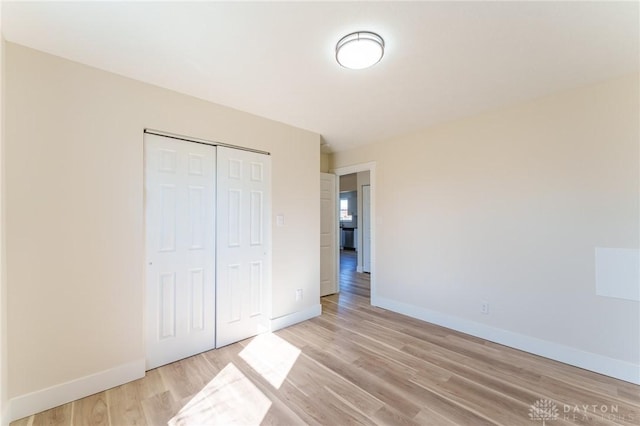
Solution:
(299, 295)
(484, 308)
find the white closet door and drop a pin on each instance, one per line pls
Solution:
(180, 194)
(244, 245)
(328, 235)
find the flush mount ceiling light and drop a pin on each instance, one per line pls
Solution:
(359, 50)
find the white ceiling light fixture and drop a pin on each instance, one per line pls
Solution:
(359, 50)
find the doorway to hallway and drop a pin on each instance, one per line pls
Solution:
(351, 278)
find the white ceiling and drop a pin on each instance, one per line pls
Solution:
(443, 60)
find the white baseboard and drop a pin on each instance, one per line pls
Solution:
(359, 269)
(296, 317)
(616, 368)
(35, 402)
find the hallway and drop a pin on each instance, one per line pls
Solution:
(351, 281)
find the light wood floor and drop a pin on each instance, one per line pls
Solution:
(351, 281)
(357, 364)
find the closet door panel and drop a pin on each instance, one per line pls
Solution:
(180, 194)
(244, 244)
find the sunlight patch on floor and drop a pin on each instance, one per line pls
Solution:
(229, 399)
(271, 356)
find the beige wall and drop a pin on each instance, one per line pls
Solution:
(508, 207)
(324, 163)
(4, 399)
(349, 183)
(75, 211)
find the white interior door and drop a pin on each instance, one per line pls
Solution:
(244, 244)
(180, 248)
(366, 228)
(328, 237)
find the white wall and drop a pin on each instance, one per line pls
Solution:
(509, 207)
(75, 230)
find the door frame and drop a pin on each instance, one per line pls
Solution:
(371, 168)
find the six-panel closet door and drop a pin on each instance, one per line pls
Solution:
(207, 226)
(244, 241)
(180, 194)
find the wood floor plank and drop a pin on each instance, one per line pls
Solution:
(280, 414)
(355, 397)
(91, 411)
(389, 416)
(160, 409)
(337, 387)
(287, 400)
(370, 381)
(437, 407)
(26, 421)
(343, 412)
(185, 378)
(320, 375)
(58, 416)
(151, 384)
(125, 405)
(428, 416)
(378, 342)
(341, 349)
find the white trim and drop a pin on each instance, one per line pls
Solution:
(371, 168)
(44, 399)
(355, 168)
(359, 269)
(296, 317)
(612, 367)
